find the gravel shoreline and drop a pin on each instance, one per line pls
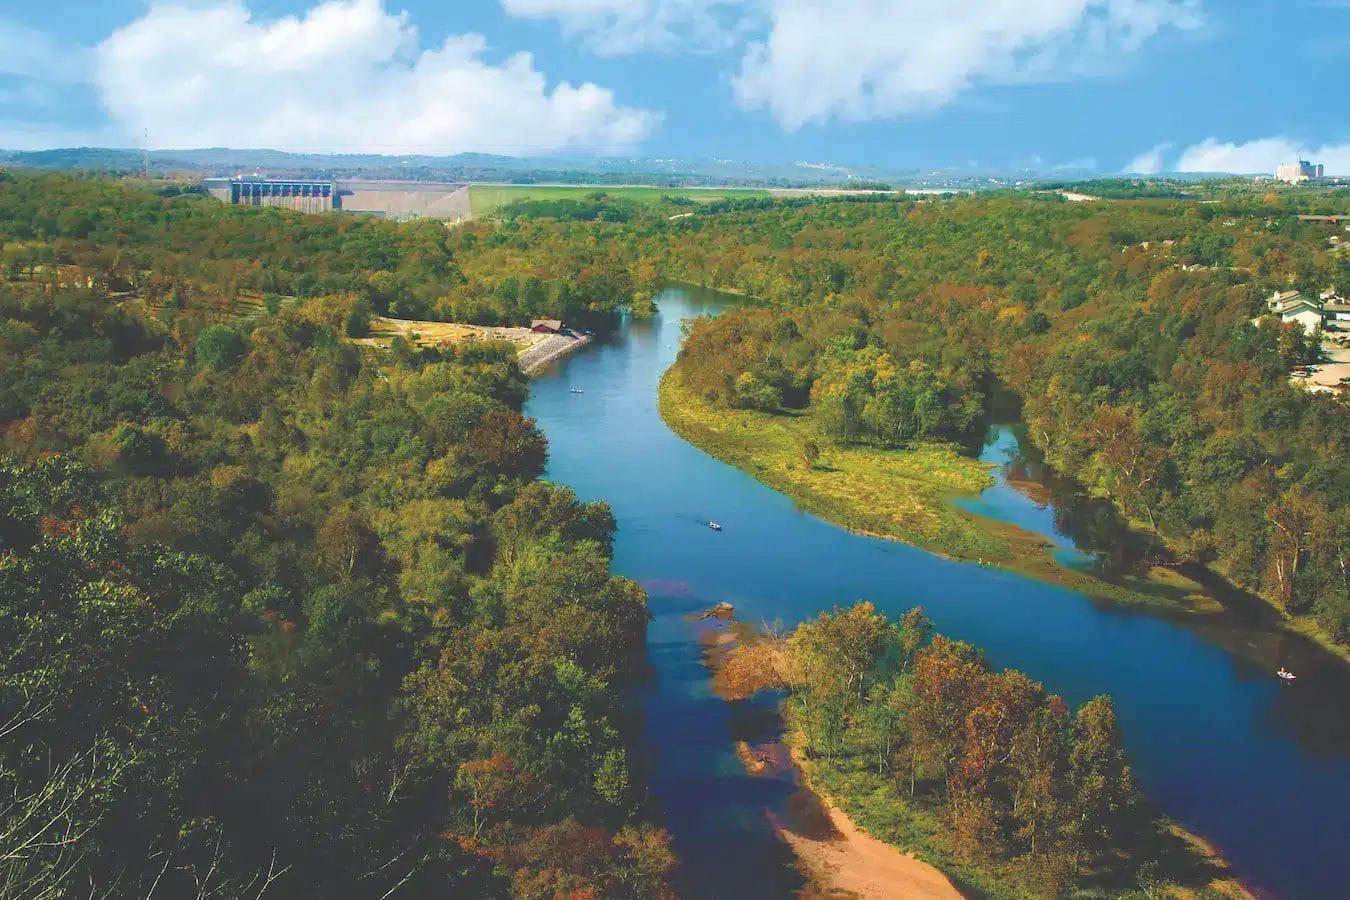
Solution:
(535, 358)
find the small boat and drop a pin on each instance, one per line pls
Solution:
(714, 526)
(1285, 674)
(577, 391)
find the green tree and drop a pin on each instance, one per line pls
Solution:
(220, 347)
(1105, 799)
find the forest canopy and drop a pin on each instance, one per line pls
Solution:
(282, 613)
(281, 616)
(1130, 332)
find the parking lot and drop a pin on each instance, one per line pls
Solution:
(1328, 374)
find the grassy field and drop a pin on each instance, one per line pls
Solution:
(486, 198)
(899, 494)
(905, 495)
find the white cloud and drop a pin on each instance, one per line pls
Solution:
(33, 54)
(1150, 162)
(1260, 156)
(858, 60)
(619, 27)
(345, 76)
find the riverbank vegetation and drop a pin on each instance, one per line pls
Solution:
(1125, 327)
(979, 772)
(280, 616)
(906, 494)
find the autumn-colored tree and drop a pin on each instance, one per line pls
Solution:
(509, 444)
(1127, 463)
(949, 681)
(1298, 522)
(346, 542)
(833, 661)
(982, 791)
(756, 663)
(1041, 798)
(810, 453)
(497, 790)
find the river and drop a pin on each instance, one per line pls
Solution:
(1259, 767)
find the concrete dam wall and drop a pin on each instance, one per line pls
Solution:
(405, 199)
(391, 199)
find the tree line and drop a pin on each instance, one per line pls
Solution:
(192, 254)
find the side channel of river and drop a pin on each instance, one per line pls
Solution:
(1259, 767)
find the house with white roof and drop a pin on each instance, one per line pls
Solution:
(1292, 306)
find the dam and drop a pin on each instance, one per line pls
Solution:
(389, 199)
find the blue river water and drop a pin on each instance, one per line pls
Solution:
(1259, 767)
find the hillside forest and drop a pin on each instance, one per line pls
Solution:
(280, 616)
(285, 616)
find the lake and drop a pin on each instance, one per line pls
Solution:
(1259, 767)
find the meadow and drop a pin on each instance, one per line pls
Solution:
(484, 199)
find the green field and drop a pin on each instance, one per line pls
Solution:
(485, 198)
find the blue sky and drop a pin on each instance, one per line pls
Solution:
(1110, 85)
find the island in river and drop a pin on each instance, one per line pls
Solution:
(872, 816)
(907, 495)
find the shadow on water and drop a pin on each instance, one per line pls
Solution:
(715, 811)
(1259, 767)
(1090, 533)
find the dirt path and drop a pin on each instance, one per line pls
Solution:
(852, 863)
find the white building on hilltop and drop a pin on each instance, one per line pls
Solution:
(1292, 306)
(1299, 172)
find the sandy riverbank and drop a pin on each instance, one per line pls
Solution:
(847, 861)
(837, 857)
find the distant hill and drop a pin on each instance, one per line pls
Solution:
(639, 171)
(486, 167)
(460, 167)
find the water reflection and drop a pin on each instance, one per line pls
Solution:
(1019, 496)
(1089, 532)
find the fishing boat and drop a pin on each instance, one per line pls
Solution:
(1285, 674)
(714, 526)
